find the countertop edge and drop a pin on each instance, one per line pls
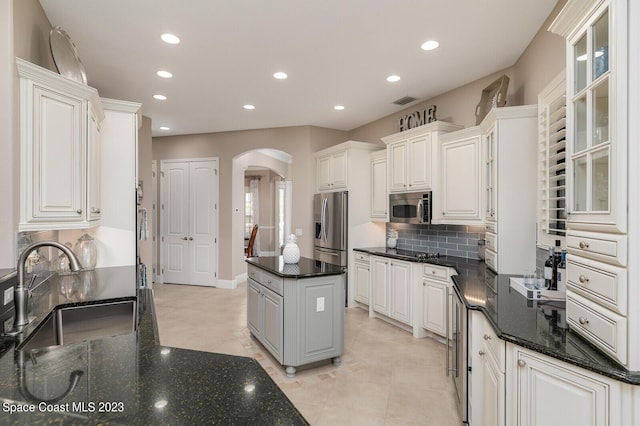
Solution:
(622, 375)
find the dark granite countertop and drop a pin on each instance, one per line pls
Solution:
(537, 325)
(305, 268)
(131, 379)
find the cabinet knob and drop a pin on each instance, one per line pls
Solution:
(190, 238)
(487, 337)
(481, 352)
(443, 213)
(95, 210)
(79, 211)
(583, 279)
(184, 238)
(583, 244)
(583, 320)
(424, 284)
(521, 363)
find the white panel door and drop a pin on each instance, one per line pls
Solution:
(189, 230)
(175, 209)
(202, 222)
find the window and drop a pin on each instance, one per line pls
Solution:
(248, 212)
(552, 106)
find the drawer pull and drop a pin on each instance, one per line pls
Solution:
(583, 245)
(433, 272)
(487, 337)
(521, 363)
(583, 279)
(583, 320)
(481, 352)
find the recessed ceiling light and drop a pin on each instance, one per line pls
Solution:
(165, 128)
(164, 74)
(393, 78)
(160, 97)
(429, 45)
(170, 38)
(338, 107)
(280, 75)
(248, 106)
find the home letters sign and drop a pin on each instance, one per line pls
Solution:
(417, 118)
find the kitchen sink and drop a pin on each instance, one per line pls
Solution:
(69, 324)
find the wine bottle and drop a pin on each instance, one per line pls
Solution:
(557, 257)
(548, 269)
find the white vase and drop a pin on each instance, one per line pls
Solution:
(291, 251)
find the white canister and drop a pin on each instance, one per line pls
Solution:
(291, 251)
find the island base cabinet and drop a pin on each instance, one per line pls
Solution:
(314, 323)
(304, 324)
(545, 391)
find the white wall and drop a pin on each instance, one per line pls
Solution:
(8, 144)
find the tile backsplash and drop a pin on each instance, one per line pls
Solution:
(450, 240)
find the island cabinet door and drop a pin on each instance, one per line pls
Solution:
(272, 332)
(254, 308)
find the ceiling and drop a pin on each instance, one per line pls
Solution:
(335, 52)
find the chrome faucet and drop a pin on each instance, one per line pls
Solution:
(21, 291)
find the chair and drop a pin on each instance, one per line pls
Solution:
(248, 250)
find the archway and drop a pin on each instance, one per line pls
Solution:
(274, 160)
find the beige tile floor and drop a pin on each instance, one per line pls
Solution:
(387, 377)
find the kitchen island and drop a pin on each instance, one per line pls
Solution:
(130, 378)
(296, 310)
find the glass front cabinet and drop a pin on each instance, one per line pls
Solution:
(596, 98)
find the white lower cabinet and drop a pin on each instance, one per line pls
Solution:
(435, 286)
(546, 391)
(487, 378)
(392, 288)
(361, 278)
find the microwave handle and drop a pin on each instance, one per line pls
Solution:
(421, 211)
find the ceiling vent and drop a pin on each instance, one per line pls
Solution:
(405, 100)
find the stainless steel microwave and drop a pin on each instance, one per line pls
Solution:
(413, 207)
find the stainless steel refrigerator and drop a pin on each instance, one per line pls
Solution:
(330, 227)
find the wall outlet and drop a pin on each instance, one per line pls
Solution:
(8, 296)
(320, 304)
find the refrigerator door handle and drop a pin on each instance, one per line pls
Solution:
(325, 202)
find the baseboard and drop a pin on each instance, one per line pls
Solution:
(231, 284)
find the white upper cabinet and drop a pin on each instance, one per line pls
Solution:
(59, 151)
(332, 170)
(412, 157)
(460, 195)
(510, 181)
(602, 168)
(596, 113)
(379, 198)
